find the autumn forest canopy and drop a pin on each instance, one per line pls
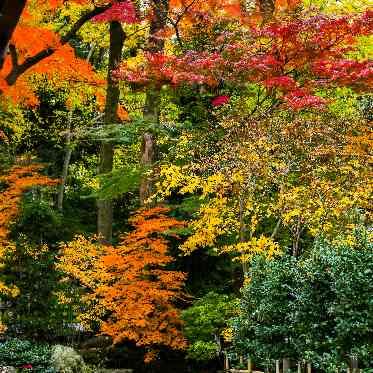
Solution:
(186, 185)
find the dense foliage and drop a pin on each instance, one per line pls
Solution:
(186, 182)
(22, 353)
(318, 308)
(204, 323)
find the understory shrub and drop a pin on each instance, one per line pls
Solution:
(41, 358)
(19, 353)
(204, 323)
(318, 308)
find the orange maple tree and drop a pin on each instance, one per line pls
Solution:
(131, 282)
(35, 50)
(12, 186)
(17, 181)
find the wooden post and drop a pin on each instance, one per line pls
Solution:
(285, 365)
(249, 366)
(277, 366)
(309, 369)
(226, 363)
(354, 364)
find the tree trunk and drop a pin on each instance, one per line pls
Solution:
(226, 362)
(147, 159)
(277, 366)
(152, 103)
(299, 367)
(66, 162)
(148, 148)
(285, 365)
(10, 13)
(249, 366)
(242, 232)
(354, 365)
(105, 207)
(296, 238)
(91, 50)
(69, 150)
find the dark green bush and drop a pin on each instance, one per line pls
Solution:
(318, 308)
(35, 312)
(204, 322)
(38, 221)
(264, 327)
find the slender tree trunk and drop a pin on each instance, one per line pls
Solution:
(299, 367)
(277, 366)
(354, 365)
(226, 362)
(147, 159)
(10, 13)
(148, 148)
(152, 104)
(242, 231)
(100, 56)
(296, 238)
(66, 162)
(249, 366)
(105, 206)
(277, 227)
(91, 50)
(68, 148)
(285, 365)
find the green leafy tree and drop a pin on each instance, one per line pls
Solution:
(204, 323)
(317, 308)
(263, 329)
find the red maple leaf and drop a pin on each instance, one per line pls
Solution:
(301, 99)
(123, 11)
(220, 100)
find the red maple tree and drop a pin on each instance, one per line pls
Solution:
(291, 58)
